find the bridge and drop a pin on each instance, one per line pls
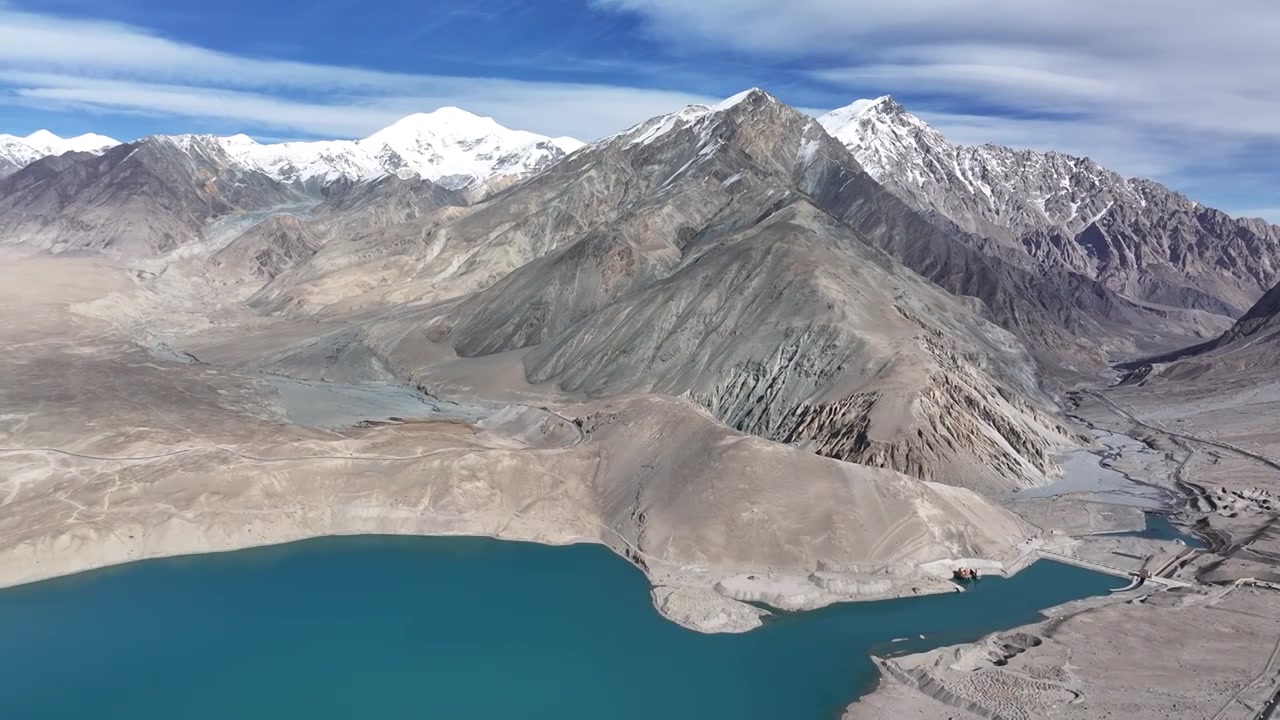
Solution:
(1109, 570)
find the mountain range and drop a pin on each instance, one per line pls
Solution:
(854, 285)
(1134, 236)
(449, 146)
(18, 152)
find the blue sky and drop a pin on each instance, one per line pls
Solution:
(1180, 91)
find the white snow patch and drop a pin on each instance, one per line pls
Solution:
(733, 100)
(808, 150)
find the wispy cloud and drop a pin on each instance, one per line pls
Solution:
(105, 67)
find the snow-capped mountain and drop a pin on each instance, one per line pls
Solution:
(653, 129)
(1048, 208)
(451, 147)
(990, 190)
(18, 152)
(159, 193)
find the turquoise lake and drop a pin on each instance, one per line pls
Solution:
(450, 629)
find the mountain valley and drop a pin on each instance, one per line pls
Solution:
(767, 358)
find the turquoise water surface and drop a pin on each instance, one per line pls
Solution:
(448, 629)
(1158, 527)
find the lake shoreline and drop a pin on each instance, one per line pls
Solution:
(699, 599)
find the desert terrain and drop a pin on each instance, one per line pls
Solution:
(118, 445)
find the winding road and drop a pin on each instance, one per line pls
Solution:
(1274, 464)
(581, 438)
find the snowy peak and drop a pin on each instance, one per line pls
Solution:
(450, 146)
(18, 152)
(458, 149)
(877, 122)
(653, 129)
(50, 144)
(568, 144)
(447, 122)
(754, 96)
(984, 189)
(841, 117)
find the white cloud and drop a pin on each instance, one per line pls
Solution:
(55, 62)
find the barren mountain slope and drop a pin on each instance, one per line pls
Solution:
(134, 201)
(1250, 348)
(388, 200)
(797, 331)
(1261, 324)
(267, 249)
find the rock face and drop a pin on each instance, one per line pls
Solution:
(358, 208)
(1050, 210)
(779, 333)
(1261, 324)
(267, 249)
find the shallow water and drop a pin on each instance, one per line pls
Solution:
(1083, 472)
(449, 628)
(1158, 527)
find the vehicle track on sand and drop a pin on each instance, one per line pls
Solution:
(1268, 669)
(237, 453)
(83, 456)
(580, 439)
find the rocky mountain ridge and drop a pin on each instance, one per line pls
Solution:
(1249, 346)
(449, 146)
(135, 200)
(1049, 209)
